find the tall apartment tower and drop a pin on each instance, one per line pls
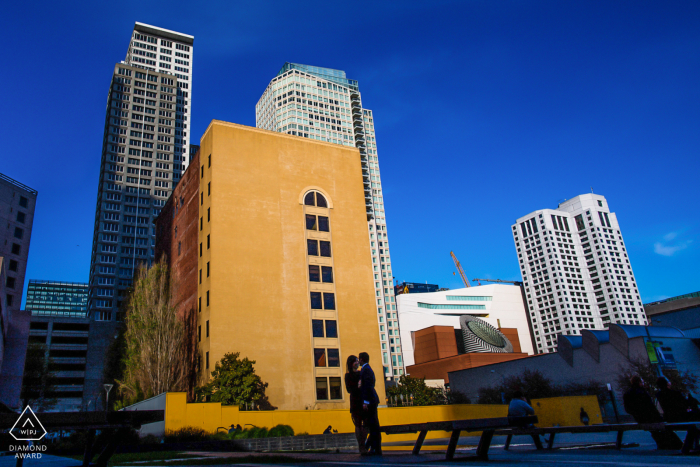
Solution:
(322, 104)
(144, 153)
(576, 270)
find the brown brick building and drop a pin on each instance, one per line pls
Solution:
(176, 229)
(436, 353)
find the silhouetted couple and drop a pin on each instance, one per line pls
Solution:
(360, 382)
(676, 407)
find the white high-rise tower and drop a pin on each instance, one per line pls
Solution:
(144, 152)
(322, 104)
(576, 270)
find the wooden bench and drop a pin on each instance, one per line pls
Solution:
(487, 426)
(121, 422)
(692, 429)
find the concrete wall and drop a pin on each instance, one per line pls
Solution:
(583, 368)
(688, 318)
(653, 309)
(259, 285)
(101, 336)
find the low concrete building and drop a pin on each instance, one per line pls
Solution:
(501, 306)
(595, 355)
(682, 312)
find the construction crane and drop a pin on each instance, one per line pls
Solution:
(460, 270)
(496, 280)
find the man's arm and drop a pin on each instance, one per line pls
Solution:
(367, 376)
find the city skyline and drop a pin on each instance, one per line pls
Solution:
(612, 110)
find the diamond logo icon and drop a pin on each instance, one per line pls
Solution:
(28, 427)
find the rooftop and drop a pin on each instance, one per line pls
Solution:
(330, 74)
(14, 182)
(679, 297)
(167, 33)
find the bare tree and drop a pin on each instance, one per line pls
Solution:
(683, 380)
(154, 351)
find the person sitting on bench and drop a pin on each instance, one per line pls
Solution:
(519, 407)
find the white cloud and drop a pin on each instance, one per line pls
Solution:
(666, 249)
(670, 236)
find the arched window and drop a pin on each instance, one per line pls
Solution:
(314, 198)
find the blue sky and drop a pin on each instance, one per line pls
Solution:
(484, 112)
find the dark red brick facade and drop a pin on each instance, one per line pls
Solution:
(176, 239)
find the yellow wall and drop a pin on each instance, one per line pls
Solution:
(562, 411)
(566, 411)
(258, 283)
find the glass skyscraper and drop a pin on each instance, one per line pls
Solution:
(145, 151)
(51, 298)
(323, 104)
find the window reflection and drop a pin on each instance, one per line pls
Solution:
(320, 357)
(311, 222)
(314, 275)
(317, 327)
(312, 247)
(323, 224)
(309, 199)
(333, 357)
(328, 301)
(331, 328)
(321, 389)
(327, 273)
(336, 392)
(316, 301)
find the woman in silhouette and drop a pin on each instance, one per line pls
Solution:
(352, 384)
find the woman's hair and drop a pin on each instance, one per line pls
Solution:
(635, 380)
(662, 382)
(350, 363)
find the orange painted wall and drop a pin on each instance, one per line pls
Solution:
(434, 343)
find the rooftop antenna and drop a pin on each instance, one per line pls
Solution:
(591, 189)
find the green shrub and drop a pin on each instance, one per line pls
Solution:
(150, 439)
(259, 432)
(278, 431)
(186, 434)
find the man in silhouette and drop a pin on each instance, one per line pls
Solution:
(370, 401)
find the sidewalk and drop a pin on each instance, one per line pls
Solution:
(570, 451)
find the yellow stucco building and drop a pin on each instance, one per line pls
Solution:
(285, 267)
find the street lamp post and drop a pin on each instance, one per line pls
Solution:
(108, 387)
